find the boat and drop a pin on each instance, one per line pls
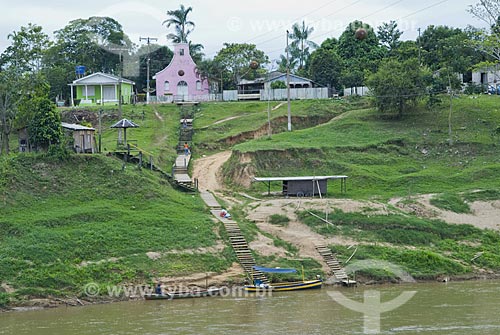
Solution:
(259, 286)
(186, 294)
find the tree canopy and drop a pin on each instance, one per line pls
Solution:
(398, 85)
(235, 58)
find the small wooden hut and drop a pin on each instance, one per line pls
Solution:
(83, 137)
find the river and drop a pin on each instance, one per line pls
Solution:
(471, 307)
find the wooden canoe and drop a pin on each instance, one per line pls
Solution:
(291, 286)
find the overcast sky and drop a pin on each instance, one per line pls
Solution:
(261, 22)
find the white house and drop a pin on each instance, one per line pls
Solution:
(487, 76)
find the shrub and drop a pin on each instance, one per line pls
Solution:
(278, 84)
(451, 202)
(278, 219)
(4, 299)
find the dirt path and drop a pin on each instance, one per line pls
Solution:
(207, 171)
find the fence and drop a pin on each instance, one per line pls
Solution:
(360, 90)
(295, 93)
(264, 95)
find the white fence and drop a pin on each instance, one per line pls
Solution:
(360, 90)
(232, 95)
(175, 98)
(295, 93)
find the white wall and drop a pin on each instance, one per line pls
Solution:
(361, 90)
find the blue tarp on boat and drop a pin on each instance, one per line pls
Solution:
(273, 270)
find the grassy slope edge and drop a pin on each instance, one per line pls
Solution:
(65, 224)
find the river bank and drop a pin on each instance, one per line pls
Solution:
(180, 282)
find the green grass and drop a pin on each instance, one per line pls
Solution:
(55, 215)
(158, 132)
(450, 202)
(218, 125)
(419, 263)
(393, 228)
(386, 157)
(482, 195)
(425, 248)
(278, 219)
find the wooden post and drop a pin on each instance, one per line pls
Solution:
(151, 162)
(140, 159)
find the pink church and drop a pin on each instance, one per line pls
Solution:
(180, 80)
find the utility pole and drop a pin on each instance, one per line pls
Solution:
(148, 41)
(419, 61)
(120, 50)
(288, 84)
(100, 129)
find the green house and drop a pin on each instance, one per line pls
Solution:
(101, 89)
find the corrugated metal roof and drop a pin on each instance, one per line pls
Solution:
(124, 123)
(99, 78)
(310, 178)
(74, 126)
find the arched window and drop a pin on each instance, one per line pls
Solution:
(166, 86)
(198, 85)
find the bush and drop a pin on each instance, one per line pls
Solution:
(278, 219)
(278, 84)
(4, 299)
(451, 202)
(58, 152)
(473, 88)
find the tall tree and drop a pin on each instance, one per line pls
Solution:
(235, 58)
(136, 66)
(435, 40)
(11, 86)
(359, 55)
(27, 49)
(44, 126)
(179, 19)
(397, 86)
(389, 35)
(300, 41)
(325, 67)
(488, 42)
(212, 71)
(91, 42)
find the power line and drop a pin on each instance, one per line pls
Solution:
(382, 9)
(421, 10)
(345, 7)
(336, 12)
(296, 19)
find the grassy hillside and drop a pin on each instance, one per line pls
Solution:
(158, 131)
(386, 157)
(220, 125)
(64, 224)
(57, 216)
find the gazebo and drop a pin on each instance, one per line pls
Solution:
(124, 124)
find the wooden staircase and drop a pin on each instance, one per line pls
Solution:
(242, 250)
(334, 264)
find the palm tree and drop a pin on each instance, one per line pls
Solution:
(300, 41)
(179, 19)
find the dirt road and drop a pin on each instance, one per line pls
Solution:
(207, 171)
